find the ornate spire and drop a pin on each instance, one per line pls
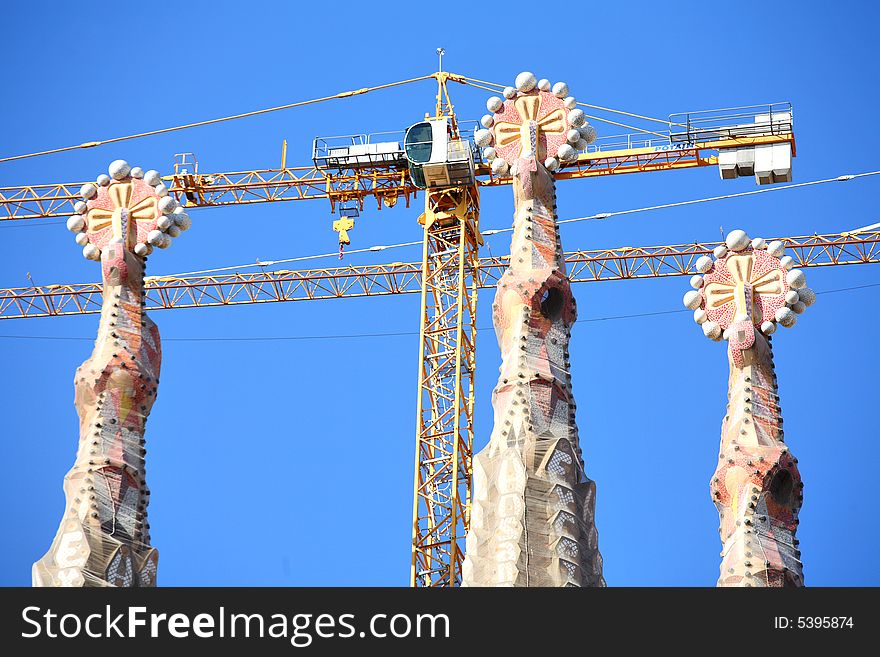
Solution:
(742, 295)
(532, 518)
(104, 537)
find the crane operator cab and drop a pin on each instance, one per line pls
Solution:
(436, 159)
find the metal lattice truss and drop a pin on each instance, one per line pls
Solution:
(402, 278)
(445, 429)
(384, 184)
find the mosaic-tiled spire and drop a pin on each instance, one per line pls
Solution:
(756, 487)
(532, 519)
(104, 537)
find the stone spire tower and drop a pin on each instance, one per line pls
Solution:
(532, 520)
(757, 488)
(104, 537)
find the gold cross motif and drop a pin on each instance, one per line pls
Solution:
(721, 293)
(528, 108)
(120, 195)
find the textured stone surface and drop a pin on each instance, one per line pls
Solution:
(532, 519)
(757, 487)
(104, 536)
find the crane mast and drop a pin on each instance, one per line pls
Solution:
(447, 366)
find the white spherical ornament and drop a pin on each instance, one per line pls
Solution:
(544, 84)
(719, 251)
(525, 81)
(712, 330)
(700, 316)
(509, 93)
(82, 239)
(786, 317)
(76, 223)
(581, 145)
(483, 137)
(136, 172)
(798, 308)
(88, 191)
(776, 249)
(560, 90)
(499, 166)
(489, 153)
(696, 281)
(796, 279)
(165, 243)
(162, 189)
(182, 221)
(103, 180)
(173, 231)
(80, 207)
(119, 169)
(551, 164)
(692, 299)
(576, 118)
(155, 237)
(569, 102)
(566, 153)
(494, 104)
(141, 249)
(759, 243)
(768, 328)
(167, 204)
(152, 177)
(164, 222)
(487, 120)
(787, 262)
(91, 252)
(588, 133)
(737, 240)
(573, 136)
(726, 333)
(704, 264)
(792, 297)
(807, 296)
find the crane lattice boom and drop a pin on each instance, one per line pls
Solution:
(405, 278)
(385, 185)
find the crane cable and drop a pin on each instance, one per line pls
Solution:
(598, 107)
(496, 88)
(843, 178)
(344, 94)
(462, 79)
(594, 217)
(272, 263)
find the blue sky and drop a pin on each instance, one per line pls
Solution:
(290, 462)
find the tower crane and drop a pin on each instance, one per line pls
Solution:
(438, 158)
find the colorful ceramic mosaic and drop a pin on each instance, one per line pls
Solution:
(104, 537)
(532, 518)
(757, 488)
